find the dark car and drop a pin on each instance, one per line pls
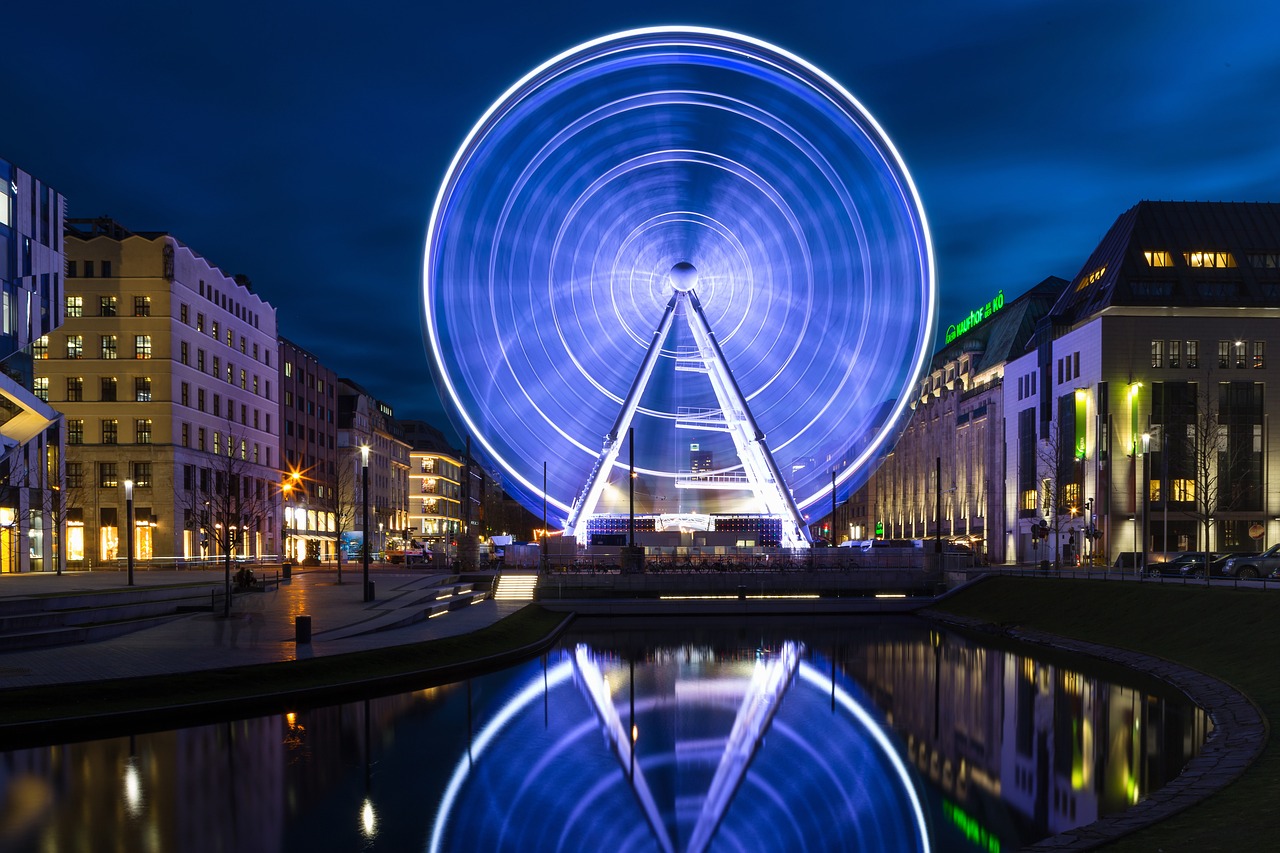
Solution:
(1217, 560)
(1179, 565)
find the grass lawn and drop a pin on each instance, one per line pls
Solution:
(45, 714)
(1233, 635)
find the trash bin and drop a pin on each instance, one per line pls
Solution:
(286, 571)
(302, 629)
(1044, 565)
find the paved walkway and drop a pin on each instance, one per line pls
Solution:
(261, 628)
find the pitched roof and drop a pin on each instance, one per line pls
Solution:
(1180, 253)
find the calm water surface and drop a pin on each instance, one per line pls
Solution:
(873, 734)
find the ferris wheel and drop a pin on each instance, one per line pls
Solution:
(687, 238)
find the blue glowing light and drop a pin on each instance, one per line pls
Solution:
(551, 244)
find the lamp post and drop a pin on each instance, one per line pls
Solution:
(1146, 495)
(364, 529)
(128, 510)
(287, 512)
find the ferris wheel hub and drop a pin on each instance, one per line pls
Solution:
(683, 277)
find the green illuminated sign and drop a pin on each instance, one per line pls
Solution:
(974, 831)
(975, 317)
(879, 529)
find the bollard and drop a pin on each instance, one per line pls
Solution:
(371, 596)
(286, 571)
(302, 629)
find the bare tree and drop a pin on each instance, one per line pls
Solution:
(1217, 459)
(231, 501)
(1060, 482)
(338, 496)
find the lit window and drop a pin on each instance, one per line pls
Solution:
(142, 306)
(1224, 354)
(1175, 353)
(199, 322)
(107, 477)
(142, 431)
(142, 389)
(110, 430)
(1089, 279)
(75, 346)
(1158, 259)
(1157, 353)
(41, 387)
(40, 347)
(108, 346)
(107, 306)
(75, 306)
(75, 389)
(142, 346)
(1210, 260)
(142, 474)
(1193, 354)
(1028, 499)
(1183, 490)
(75, 431)
(1258, 360)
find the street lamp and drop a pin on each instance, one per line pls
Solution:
(364, 529)
(1146, 494)
(285, 539)
(128, 509)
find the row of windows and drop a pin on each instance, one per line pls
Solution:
(108, 478)
(1068, 367)
(184, 314)
(108, 390)
(108, 346)
(307, 406)
(1027, 385)
(1199, 260)
(230, 375)
(108, 306)
(308, 380)
(1238, 354)
(109, 431)
(87, 269)
(184, 397)
(303, 432)
(208, 291)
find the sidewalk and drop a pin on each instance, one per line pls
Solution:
(261, 628)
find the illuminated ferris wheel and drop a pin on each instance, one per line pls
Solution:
(688, 236)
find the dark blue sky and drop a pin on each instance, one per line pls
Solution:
(303, 143)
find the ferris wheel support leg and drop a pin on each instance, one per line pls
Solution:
(758, 462)
(590, 494)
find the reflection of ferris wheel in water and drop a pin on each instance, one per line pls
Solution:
(694, 234)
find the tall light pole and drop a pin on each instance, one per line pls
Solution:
(128, 509)
(286, 514)
(1146, 495)
(364, 529)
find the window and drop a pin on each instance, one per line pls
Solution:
(199, 322)
(142, 389)
(106, 269)
(75, 475)
(1239, 354)
(1158, 259)
(110, 430)
(231, 369)
(1157, 353)
(243, 381)
(230, 338)
(215, 330)
(1210, 260)
(1028, 500)
(1193, 354)
(75, 346)
(1182, 490)
(255, 352)
(40, 347)
(1224, 353)
(288, 368)
(142, 346)
(1258, 360)
(107, 306)
(217, 443)
(217, 367)
(41, 387)
(1265, 260)
(200, 399)
(108, 394)
(183, 314)
(75, 431)
(142, 306)
(108, 346)
(142, 430)
(1175, 353)
(255, 384)
(242, 345)
(71, 265)
(185, 396)
(186, 435)
(75, 305)
(88, 269)
(183, 353)
(200, 360)
(141, 474)
(217, 405)
(200, 436)
(107, 477)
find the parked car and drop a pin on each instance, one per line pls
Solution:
(1128, 560)
(1179, 565)
(1191, 564)
(1254, 565)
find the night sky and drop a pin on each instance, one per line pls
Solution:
(303, 143)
